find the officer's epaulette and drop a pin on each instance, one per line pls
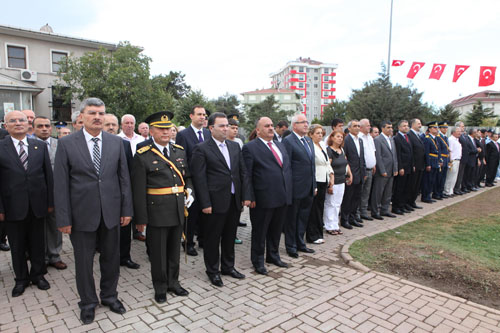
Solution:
(143, 149)
(178, 146)
(427, 136)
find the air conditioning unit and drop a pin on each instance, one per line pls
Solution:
(27, 75)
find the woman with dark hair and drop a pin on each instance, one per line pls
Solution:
(324, 178)
(342, 176)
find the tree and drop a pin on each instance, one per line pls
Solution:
(173, 83)
(227, 104)
(336, 109)
(381, 100)
(449, 114)
(478, 114)
(186, 105)
(120, 78)
(267, 108)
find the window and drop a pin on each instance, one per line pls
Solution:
(325, 86)
(307, 85)
(301, 85)
(301, 69)
(315, 70)
(251, 98)
(325, 93)
(16, 56)
(315, 85)
(307, 70)
(326, 71)
(61, 108)
(58, 58)
(315, 78)
(301, 77)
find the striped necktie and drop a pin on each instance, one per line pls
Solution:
(96, 155)
(23, 156)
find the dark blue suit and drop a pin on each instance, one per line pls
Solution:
(304, 185)
(188, 139)
(432, 160)
(444, 154)
(271, 190)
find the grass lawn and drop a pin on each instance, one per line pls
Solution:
(456, 250)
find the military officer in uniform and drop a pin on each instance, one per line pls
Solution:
(444, 154)
(161, 185)
(433, 162)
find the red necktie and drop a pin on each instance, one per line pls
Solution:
(406, 137)
(275, 154)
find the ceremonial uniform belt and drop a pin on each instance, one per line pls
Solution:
(433, 155)
(165, 190)
(444, 155)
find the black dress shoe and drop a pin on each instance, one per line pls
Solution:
(261, 270)
(6, 247)
(160, 298)
(397, 211)
(130, 264)
(445, 196)
(366, 217)
(292, 254)
(116, 306)
(191, 251)
(437, 197)
(464, 190)
(458, 192)
(235, 274)
(346, 225)
(474, 189)
(377, 217)
(216, 280)
(406, 211)
(241, 224)
(42, 284)
(358, 219)
(306, 250)
(388, 215)
(429, 201)
(278, 263)
(179, 291)
(87, 316)
(414, 205)
(19, 288)
(409, 208)
(487, 185)
(356, 224)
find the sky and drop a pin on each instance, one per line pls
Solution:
(233, 46)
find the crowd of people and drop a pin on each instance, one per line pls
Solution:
(167, 185)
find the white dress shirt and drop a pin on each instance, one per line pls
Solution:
(90, 143)
(369, 148)
(275, 147)
(16, 144)
(455, 148)
(388, 140)
(136, 138)
(356, 142)
(160, 147)
(197, 130)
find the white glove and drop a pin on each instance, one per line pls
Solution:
(188, 201)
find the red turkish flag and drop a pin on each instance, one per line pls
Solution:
(415, 67)
(459, 70)
(486, 75)
(397, 63)
(437, 71)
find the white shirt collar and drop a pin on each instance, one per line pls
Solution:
(89, 137)
(160, 147)
(265, 142)
(353, 136)
(385, 136)
(196, 130)
(298, 136)
(16, 141)
(218, 142)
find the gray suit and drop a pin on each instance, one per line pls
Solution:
(387, 162)
(92, 204)
(53, 237)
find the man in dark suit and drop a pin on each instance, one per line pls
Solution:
(471, 151)
(492, 158)
(459, 188)
(387, 169)
(111, 126)
(444, 155)
(355, 154)
(418, 150)
(26, 197)
(221, 186)
(93, 199)
(281, 127)
(300, 149)
(189, 138)
(270, 178)
(401, 195)
(3, 233)
(481, 156)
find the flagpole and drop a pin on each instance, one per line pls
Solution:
(389, 53)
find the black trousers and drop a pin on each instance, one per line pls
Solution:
(267, 224)
(125, 241)
(195, 224)
(351, 202)
(469, 178)
(402, 191)
(164, 255)
(27, 236)
(296, 223)
(3, 233)
(460, 177)
(414, 184)
(220, 232)
(491, 171)
(84, 246)
(428, 181)
(481, 173)
(314, 229)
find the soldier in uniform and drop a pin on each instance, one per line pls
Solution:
(433, 162)
(161, 185)
(444, 153)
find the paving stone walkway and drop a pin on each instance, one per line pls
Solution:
(318, 293)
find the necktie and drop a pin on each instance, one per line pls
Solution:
(406, 137)
(165, 152)
(96, 155)
(200, 138)
(23, 156)
(304, 142)
(225, 153)
(496, 143)
(276, 156)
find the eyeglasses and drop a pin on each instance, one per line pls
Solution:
(302, 122)
(13, 121)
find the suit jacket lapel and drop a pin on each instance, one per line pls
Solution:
(268, 151)
(213, 145)
(33, 147)
(105, 151)
(11, 150)
(83, 148)
(299, 142)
